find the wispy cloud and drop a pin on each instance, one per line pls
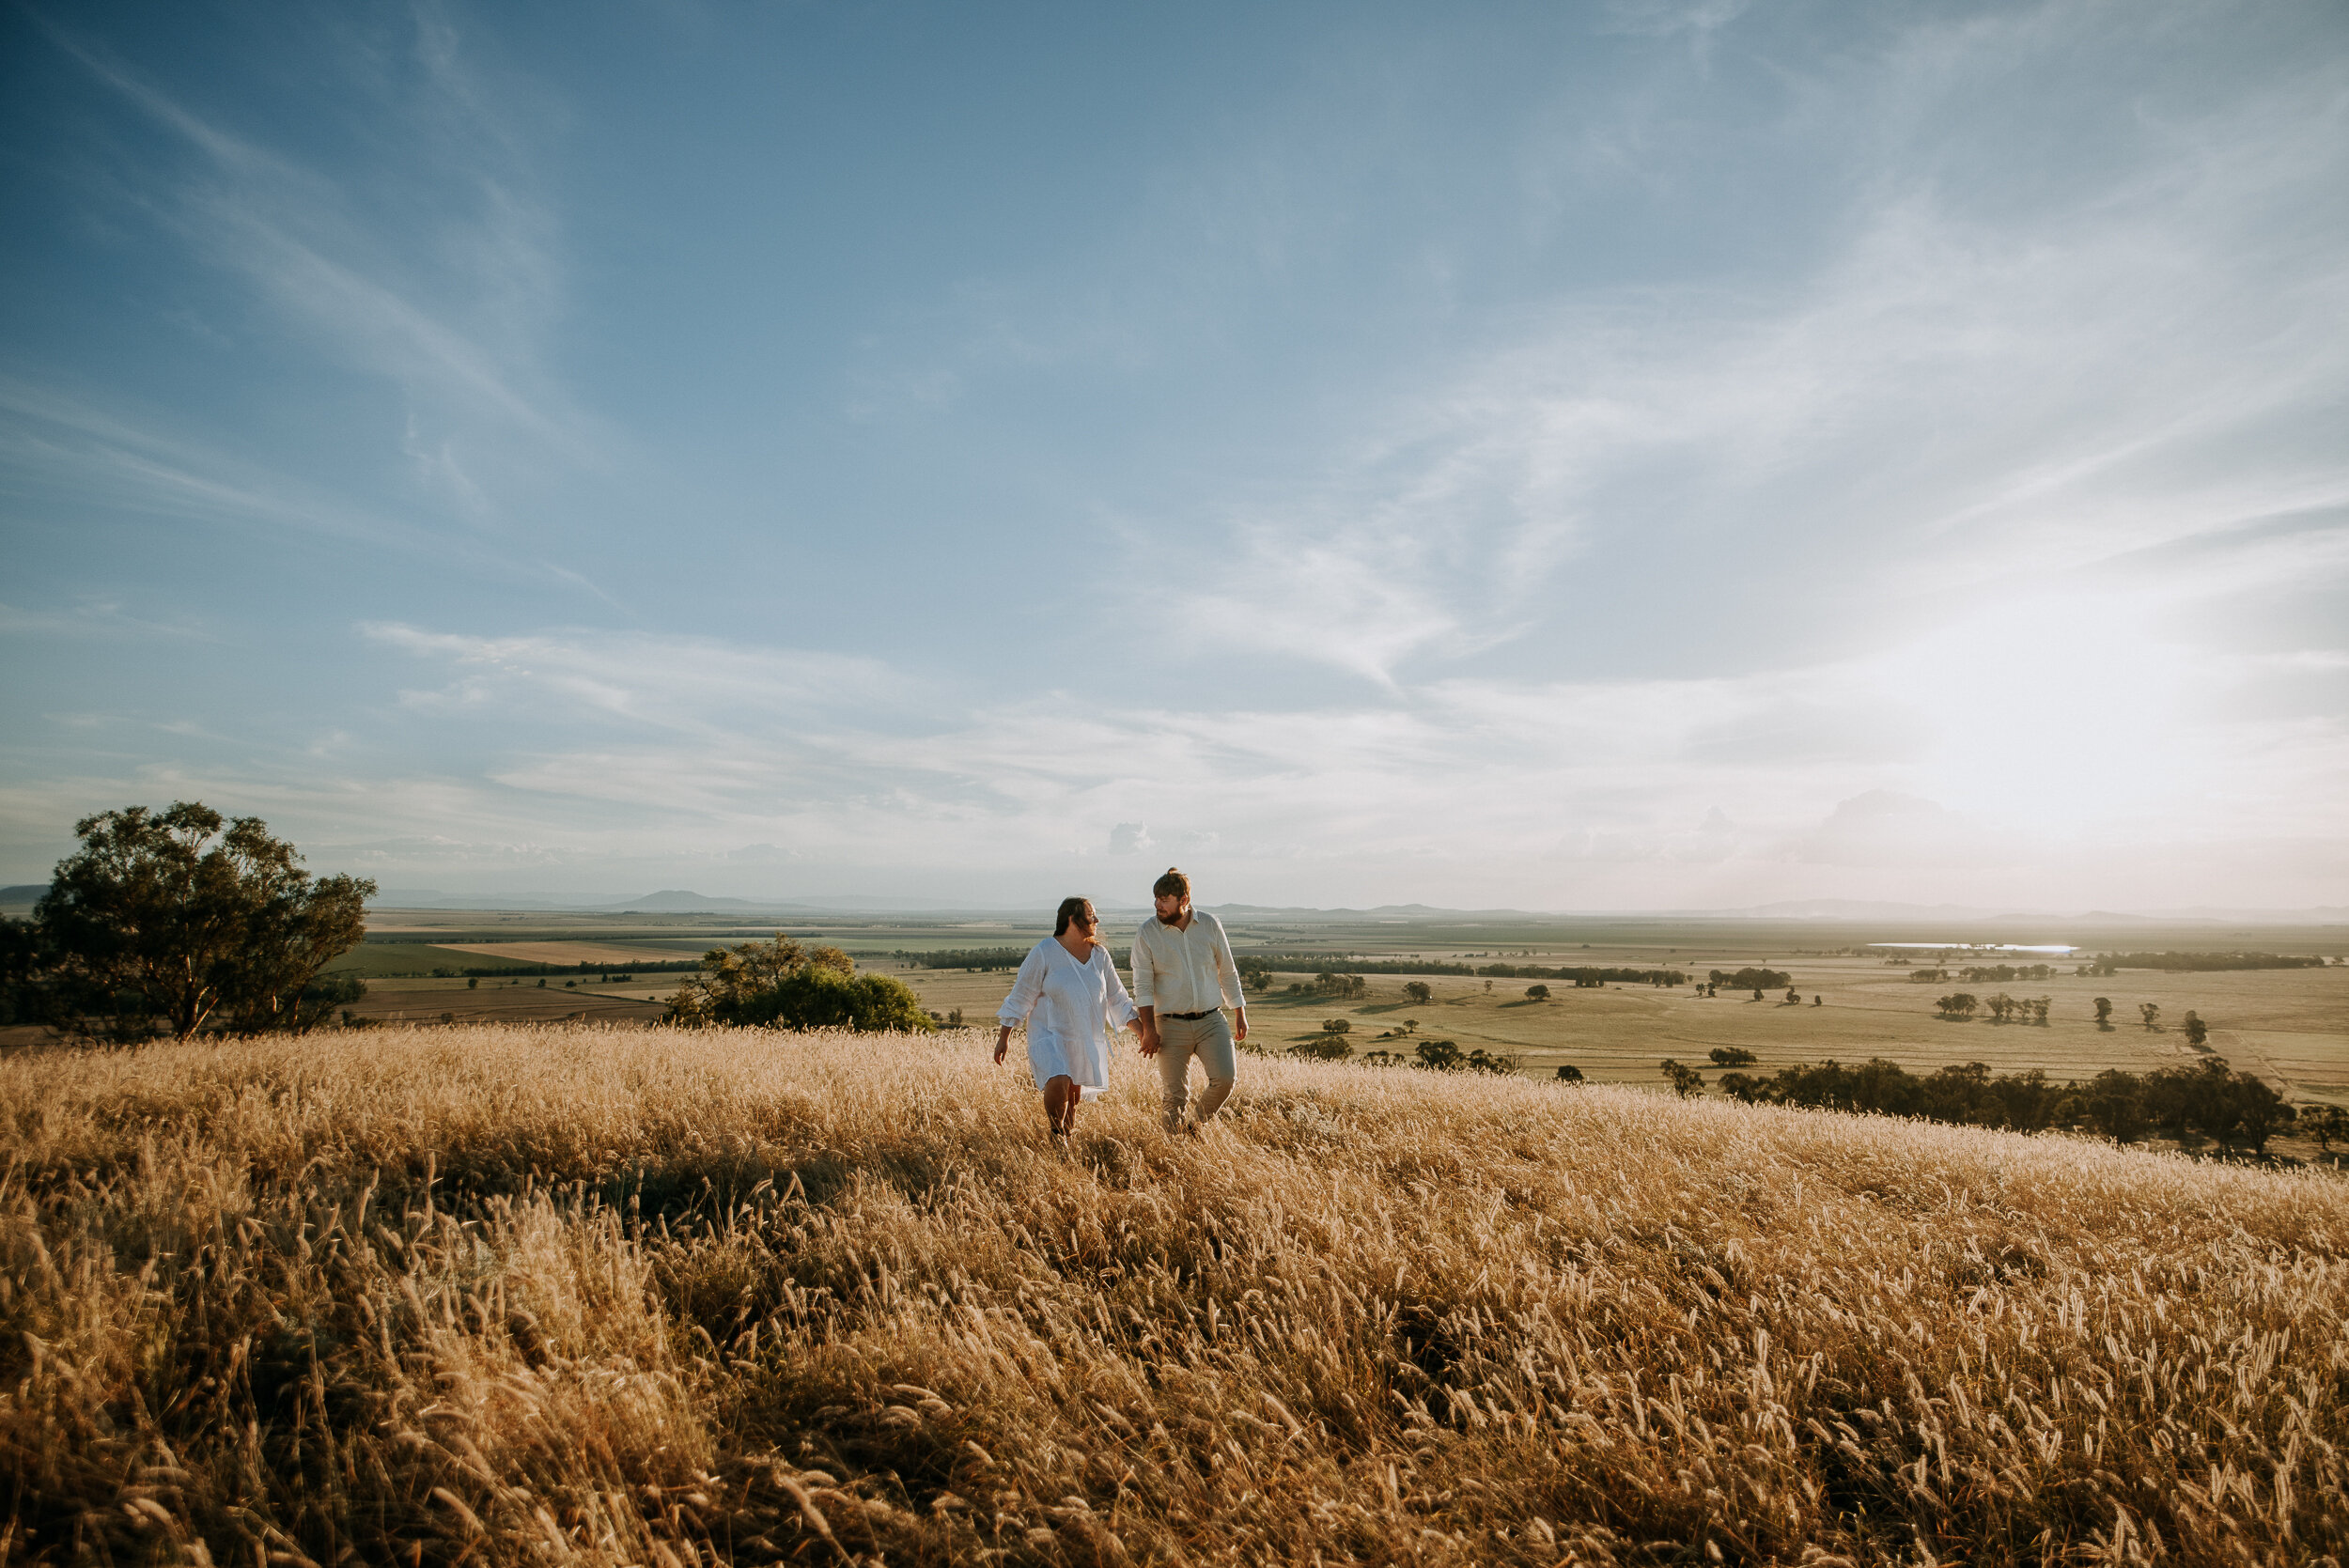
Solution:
(447, 301)
(1966, 376)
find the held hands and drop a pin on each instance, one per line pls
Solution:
(1149, 1034)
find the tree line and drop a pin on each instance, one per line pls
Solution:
(1307, 963)
(2109, 963)
(2203, 1098)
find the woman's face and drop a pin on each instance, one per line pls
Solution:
(1084, 921)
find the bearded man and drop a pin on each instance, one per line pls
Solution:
(1184, 978)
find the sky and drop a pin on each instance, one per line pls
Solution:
(1647, 455)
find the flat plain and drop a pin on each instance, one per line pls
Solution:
(2291, 1026)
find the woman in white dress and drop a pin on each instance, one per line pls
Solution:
(1069, 996)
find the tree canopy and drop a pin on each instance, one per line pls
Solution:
(185, 921)
(781, 984)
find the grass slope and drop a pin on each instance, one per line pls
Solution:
(546, 1295)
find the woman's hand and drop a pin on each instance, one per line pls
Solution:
(1002, 1044)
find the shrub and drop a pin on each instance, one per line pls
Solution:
(1537, 993)
(778, 985)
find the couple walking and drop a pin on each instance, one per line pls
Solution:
(1069, 996)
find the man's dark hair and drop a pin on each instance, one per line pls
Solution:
(1173, 885)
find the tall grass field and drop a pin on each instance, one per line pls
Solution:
(543, 1294)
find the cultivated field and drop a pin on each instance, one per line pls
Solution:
(565, 1293)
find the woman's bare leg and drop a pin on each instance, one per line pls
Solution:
(1060, 1098)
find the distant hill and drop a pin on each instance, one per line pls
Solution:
(24, 893)
(685, 901)
(680, 901)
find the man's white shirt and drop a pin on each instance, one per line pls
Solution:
(1178, 971)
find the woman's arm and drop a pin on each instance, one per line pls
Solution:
(1025, 990)
(1118, 1011)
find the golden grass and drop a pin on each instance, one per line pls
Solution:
(545, 1295)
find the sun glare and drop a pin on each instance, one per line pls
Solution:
(2050, 714)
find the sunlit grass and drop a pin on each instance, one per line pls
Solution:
(532, 1294)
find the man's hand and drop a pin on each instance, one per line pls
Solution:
(1239, 1024)
(1150, 1041)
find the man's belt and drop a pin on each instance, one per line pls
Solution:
(1192, 1017)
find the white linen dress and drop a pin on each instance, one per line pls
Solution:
(1070, 1009)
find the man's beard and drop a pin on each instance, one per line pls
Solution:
(1175, 918)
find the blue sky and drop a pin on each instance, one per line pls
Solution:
(1613, 456)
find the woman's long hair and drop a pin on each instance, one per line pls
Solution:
(1070, 909)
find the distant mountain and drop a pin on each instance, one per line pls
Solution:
(24, 893)
(684, 901)
(1858, 908)
(1383, 911)
(680, 901)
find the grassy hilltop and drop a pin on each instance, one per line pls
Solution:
(486, 1295)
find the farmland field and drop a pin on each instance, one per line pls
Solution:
(2291, 1026)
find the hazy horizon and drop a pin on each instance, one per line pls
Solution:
(1660, 455)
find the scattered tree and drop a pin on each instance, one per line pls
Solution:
(1731, 1056)
(2197, 1031)
(197, 922)
(1336, 1026)
(779, 984)
(1440, 1055)
(1959, 1004)
(2327, 1124)
(1569, 1075)
(2152, 1015)
(1537, 993)
(2104, 1012)
(1328, 1047)
(1419, 991)
(1686, 1082)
